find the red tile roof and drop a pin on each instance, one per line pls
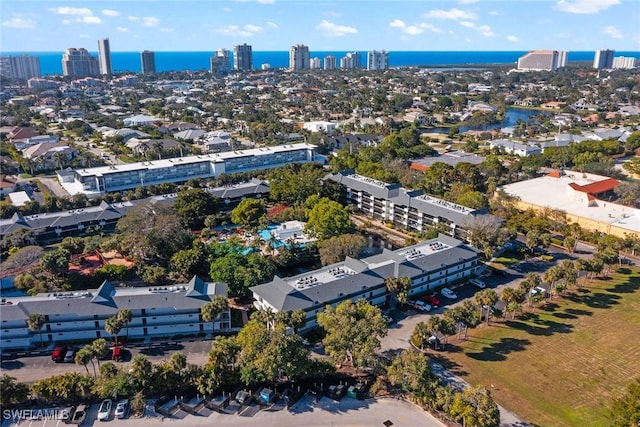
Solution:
(596, 187)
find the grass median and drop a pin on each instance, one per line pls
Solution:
(560, 364)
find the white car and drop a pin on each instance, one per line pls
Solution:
(421, 305)
(105, 410)
(478, 283)
(122, 409)
(448, 293)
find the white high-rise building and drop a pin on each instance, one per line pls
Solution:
(19, 67)
(77, 62)
(104, 53)
(299, 57)
(221, 62)
(377, 60)
(625, 62)
(351, 60)
(603, 59)
(329, 62)
(563, 56)
(315, 63)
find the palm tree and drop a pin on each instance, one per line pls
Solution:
(530, 282)
(84, 356)
(486, 298)
(214, 308)
(125, 316)
(141, 370)
(59, 157)
(137, 403)
(420, 334)
(298, 319)
(99, 348)
(157, 146)
(35, 322)
(113, 326)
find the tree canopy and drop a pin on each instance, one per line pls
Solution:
(328, 219)
(193, 205)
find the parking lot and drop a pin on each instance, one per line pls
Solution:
(306, 412)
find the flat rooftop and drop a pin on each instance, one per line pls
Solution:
(551, 192)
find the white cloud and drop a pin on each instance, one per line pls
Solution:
(253, 28)
(415, 29)
(612, 32)
(485, 30)
(329, 29)
(226, 9)
(272, 25)
(585, 6)
(468, 1)
(66, 21)
(19, 23)
(90, 20)
(513, 38)
(122, 29)
(150, 21)
(237, 31)
(109, 12)
(266, 1)
(494, 13)
(133, 18)
(166, 30)
(84, 36)
(68, 10)
(331, 14)
(452, 14)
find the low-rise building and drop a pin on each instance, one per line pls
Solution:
(408, 209)
(430, 265)
(100, 180)
(158, 312)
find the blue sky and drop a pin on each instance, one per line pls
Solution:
(343, 25)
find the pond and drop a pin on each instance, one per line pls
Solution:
(511, 117)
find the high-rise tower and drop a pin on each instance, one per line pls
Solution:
(148, 62)
(104, 53)
(77, 62)
(603, 59)
(19, 67)
(299, 57)
(220, 63)
(242, 57)
(377, 60)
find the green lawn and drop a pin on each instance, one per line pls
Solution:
(561, 364)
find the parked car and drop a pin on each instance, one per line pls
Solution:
(421, 305)
(388, 318)
(478, 283)
(104, 412)
(122, 409)
(431, 300)
(117, 353)
(58, 354)
(539, 290)
(80, 415)
(70, 355)
(448, 293)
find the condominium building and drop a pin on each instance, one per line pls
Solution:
(104, 54)
(351, 60)
(430, 265)
(157, 312)
(242, 57)
(148, 62)
(329, 62)
(625, 62)
(315, 63)
(20, 67)
(104, 179)
(603, 59)
(299, 57)
(53, 226)
(220, 63)
(377, 60)
(540, 60)
(408, 209)
(77, 62)
(563, 57)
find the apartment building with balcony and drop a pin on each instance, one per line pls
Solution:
(104, 179)
(408, 209)
(158, 313)
(430, 265)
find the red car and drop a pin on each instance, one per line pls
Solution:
(117, 354)
(431, 300)
(58, 354)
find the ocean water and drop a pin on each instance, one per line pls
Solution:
(51, 62)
